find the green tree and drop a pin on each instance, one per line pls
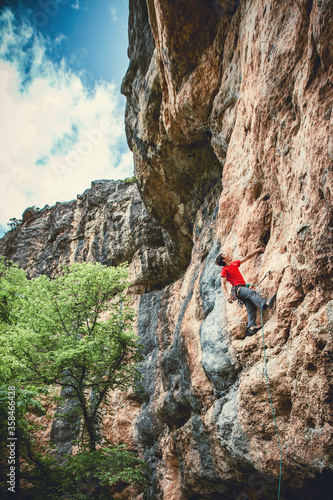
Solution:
(74, 331)
(88, 474)
(14, 223)
(13, 282)
(13, 286)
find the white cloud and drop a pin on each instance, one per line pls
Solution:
(56, 136)
(113, 12)
(77, 6)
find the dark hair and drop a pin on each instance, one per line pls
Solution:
(220, 260)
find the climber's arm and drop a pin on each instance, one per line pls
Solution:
(224, 288)
(252, 254)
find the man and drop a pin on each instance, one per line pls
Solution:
(230, 272)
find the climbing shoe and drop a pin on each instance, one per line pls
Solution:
(270, 303)
(252, 330)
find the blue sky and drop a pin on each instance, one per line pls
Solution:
(62, 114)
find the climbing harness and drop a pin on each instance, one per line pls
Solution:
(234, 293)
(266, 373)
(234, 290)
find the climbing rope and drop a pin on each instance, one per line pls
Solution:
(269, 392)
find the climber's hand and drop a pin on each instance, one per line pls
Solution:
(230, 300)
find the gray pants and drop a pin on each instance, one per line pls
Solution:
(251, 300)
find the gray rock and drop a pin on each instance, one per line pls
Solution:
(108, 223)
(217, 360)
(66, 424)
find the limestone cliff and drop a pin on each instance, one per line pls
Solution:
(229, 116)
(108, 223)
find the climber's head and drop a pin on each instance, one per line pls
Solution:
(223, 259)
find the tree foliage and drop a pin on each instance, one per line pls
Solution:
(87, 474)
(129, 180)
(14, 223)
(73, 331)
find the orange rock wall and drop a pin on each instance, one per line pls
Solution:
(229, 116)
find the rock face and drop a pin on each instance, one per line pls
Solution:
(108, 223)
(229, 116)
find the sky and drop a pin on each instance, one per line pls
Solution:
(62, 114)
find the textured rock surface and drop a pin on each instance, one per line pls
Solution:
(241, 90)
(229, 115)
(108, 223)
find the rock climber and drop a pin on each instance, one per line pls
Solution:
(230, 272)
